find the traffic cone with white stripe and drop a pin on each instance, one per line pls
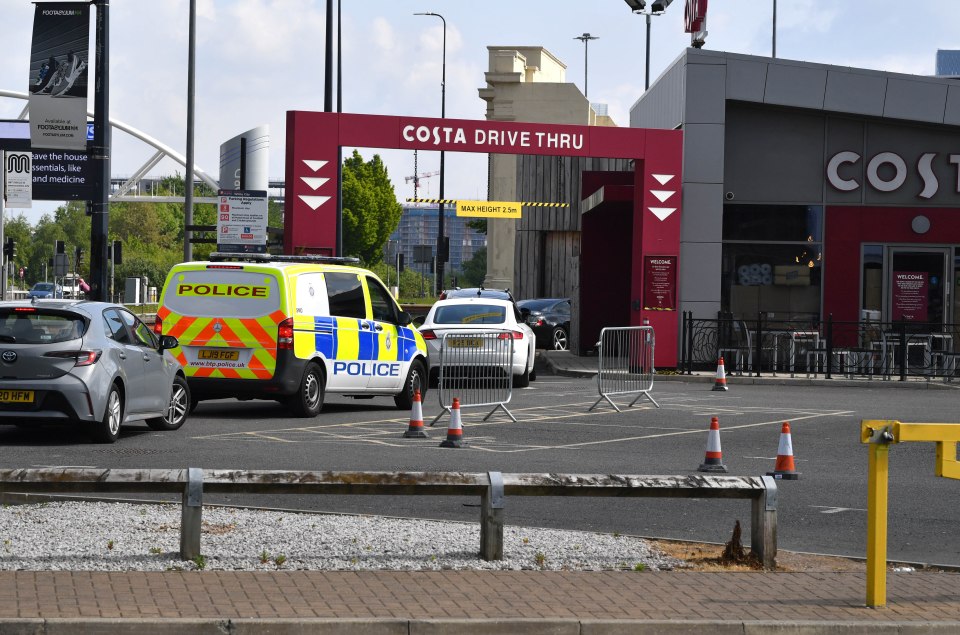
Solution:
(455, 429)
(721, 383)
(713, 462)
(784, 468)
(415, 429)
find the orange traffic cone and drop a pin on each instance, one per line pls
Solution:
(784, 469)
(415, 430)
(721, 383)
(455, 430)
(714, 457)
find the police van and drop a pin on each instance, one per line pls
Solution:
(290, 328)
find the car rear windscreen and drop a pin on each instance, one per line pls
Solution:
(470, 314)
(39, 326)
(222, 293)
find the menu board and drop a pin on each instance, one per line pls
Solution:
(910, 295)
(660, 283)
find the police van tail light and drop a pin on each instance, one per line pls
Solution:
(158, 325)
(428, 334)
(285, 334)
(517, 335)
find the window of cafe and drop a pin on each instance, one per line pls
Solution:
(772, 261)
(911, 283)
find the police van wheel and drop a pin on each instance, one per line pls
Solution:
(416, 380)
(308, 400)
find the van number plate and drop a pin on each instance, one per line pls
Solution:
(471, 342)
(206, 353)
(16, 396)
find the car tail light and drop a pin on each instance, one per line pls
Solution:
(539, 322)
(285, 335)
(428, 334)
(517, 335)
(82, 358)
(225, 267)
(24, 309)
(158, 325)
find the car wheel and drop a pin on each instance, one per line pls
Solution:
(522, 381)
(177, 408)
(308, 400)
(108, 430)
(416, 380)
(559, 339)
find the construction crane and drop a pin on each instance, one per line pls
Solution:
(416, 180)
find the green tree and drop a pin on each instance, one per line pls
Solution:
(475, 269)
(370, 208)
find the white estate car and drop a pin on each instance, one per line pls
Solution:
(480, 312)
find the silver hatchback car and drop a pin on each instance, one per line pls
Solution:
(91, 363)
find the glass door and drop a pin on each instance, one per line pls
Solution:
(918, 282)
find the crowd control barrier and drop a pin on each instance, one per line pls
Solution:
(476, 367)
(626, 364)
(879, 434)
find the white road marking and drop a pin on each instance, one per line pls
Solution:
(836, 510)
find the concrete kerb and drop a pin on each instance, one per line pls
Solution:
(398, 626)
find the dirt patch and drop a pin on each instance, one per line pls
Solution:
(700, 556)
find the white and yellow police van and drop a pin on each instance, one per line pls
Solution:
(290, 328)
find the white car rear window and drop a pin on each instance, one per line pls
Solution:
(222, 293)
(470, 314)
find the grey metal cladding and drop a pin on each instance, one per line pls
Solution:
(951, 113)
(705, 93)
(703, 153)
(773, 155)
(915, 100)
(663, 105)
(855, 93)
(746, 80)
(702, 219)
(794, 85)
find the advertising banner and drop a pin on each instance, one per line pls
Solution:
(488, 209)
(242, 221)
(17, 178)
(910, 296)
(58, 75)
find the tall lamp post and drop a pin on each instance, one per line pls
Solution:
(585, 38)
(441, 242)
(656, 8)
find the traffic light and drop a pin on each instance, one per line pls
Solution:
(400, 263)
(10, 248)
(61, 247)
(78, 256)
(117, 252)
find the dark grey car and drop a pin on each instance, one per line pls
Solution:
(90, 363)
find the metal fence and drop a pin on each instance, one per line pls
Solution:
(626, 364)
(476, 368)
(865, 349)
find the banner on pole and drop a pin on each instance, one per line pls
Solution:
(18, 178)
(58, 75)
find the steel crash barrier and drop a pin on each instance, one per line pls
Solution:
(879, 434)
(18, 485)
(476, 369)
(626, 364)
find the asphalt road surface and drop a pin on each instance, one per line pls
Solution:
(824, 511)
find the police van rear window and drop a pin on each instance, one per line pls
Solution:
(222, 293)
(470, 314)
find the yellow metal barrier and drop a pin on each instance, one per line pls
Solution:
(879, 434)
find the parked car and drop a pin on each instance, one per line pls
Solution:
(478, 312)
(45, 290)
(550, 320)
(92, 364)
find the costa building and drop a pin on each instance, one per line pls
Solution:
(811, 190)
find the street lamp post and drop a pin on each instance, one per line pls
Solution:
(656, 8)
(585, 38)
(441, 242)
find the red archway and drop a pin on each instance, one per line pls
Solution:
(313, 147)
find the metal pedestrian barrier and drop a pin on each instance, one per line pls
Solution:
(626, 364)
(476, 368)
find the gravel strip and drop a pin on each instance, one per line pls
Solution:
(96, 536)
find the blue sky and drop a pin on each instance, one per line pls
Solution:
(256, 59)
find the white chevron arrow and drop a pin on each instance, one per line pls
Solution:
(316, 165)
(659, 212)
(314, 201)
(662, 178)
(662, 195)
(315, 182)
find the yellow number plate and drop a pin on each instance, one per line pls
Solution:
(206, 353)
(16, 396)
(473, 342)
